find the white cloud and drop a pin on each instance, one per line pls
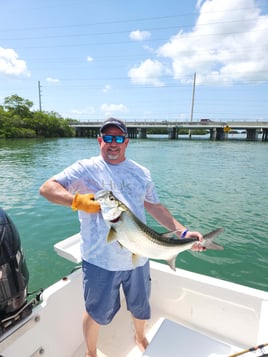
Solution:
(90, 59)
(106, 88)
(228, 43)
(11, 65)
(52, 80)
(139, 35)
(109, 109)
(149, 49)
(148, 72)
(198, 4)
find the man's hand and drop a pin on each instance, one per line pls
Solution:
(197, 247)
(85, 203)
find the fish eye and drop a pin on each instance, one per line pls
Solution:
(111, 198)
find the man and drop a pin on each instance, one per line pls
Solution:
(107, 266)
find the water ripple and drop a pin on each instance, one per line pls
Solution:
(204, 184)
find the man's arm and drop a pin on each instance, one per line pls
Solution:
(162, 215)
(56, 193)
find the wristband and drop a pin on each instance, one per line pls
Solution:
(183, 235)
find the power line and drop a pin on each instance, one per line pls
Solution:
(174, 27)
(114, 22)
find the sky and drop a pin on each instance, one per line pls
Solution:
(137, 60)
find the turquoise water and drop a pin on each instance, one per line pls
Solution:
(205, 184)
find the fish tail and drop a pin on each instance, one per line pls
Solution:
(208, 241)
(212, 246)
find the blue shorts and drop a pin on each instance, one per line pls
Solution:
(101, 292)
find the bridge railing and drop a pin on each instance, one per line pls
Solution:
(165, 123)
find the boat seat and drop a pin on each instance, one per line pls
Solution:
(69, 248)
(175, 340)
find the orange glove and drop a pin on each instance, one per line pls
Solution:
(85, 203)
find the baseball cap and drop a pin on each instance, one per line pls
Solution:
(114, 122)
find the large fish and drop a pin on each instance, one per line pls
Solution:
(142, 240)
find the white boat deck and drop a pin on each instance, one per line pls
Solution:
(174, 340)
(192, 316)
(167, 338)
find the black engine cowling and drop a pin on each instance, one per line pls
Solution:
(14, 275)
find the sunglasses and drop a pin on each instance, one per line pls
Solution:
(109, 138)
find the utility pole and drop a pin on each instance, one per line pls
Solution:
(39, 95)
(192, 109)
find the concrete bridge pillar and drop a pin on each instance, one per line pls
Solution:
(78, 132)
(264, 134)
(142, 133)
(94, 133)
(252, 134)
(172, 133)
(213, 134)
(132, 133)
(218, 134)
(221, 134)
(83, 132)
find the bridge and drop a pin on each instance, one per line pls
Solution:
(218, 130)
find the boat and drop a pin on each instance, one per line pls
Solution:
(193, 315)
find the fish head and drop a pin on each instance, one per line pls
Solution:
(111, 207)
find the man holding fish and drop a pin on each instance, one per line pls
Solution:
(92, 186)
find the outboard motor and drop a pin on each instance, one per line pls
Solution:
(14, 275)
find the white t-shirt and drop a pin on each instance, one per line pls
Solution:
(131, 183)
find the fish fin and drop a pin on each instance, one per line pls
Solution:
(168, 234)
(111, 237)
(212, 246)
(171, 263)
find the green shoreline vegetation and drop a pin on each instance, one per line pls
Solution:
(17, 120)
